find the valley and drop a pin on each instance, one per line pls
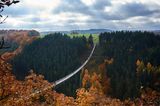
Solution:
(119, 67)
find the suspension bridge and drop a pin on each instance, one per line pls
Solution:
(55, 83)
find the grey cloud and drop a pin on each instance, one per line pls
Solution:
(129, 10)
(74, 6)
(98, 17)
(93, 21)
(101, 4)
(136, 9)
(96, 11)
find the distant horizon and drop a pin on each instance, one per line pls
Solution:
(85, 29)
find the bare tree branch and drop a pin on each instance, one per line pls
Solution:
(4, 3)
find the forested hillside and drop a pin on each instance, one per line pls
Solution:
(23, 93)
(127, 49)
(123, 71)
(15, 40)
(54, 56)
(57, 55)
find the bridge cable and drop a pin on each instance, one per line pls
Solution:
(76, 71)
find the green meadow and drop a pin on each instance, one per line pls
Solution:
(95, 36)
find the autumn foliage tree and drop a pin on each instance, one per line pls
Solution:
(33, 91)
(148, 75)
(105, 79)
(6, 80)
(93, 95)
(36, 91)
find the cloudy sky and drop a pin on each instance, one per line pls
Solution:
(45, 15)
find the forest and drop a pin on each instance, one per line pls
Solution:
(54, 56)
(47, 55)
(123, 71)
(129, 51)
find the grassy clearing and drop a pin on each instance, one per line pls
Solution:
(95, 36)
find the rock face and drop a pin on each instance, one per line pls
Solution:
(20, 37)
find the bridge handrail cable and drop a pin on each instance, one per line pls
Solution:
(76, 71)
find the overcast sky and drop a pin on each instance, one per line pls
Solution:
(45, 15)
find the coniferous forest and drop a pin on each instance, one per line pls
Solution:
(129, 50)
(53, 56)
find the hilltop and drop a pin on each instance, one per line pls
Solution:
(16, 40)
